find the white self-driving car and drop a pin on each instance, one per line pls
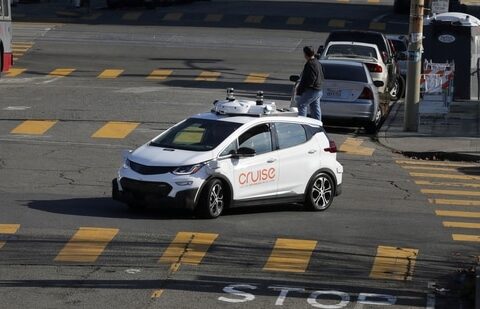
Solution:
(241, 153)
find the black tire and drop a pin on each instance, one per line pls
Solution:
(320, 193)
(213, 200)
(396, 92)
(372, 127)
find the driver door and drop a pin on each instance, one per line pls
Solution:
(256, 176)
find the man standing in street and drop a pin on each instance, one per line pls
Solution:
(309, 88)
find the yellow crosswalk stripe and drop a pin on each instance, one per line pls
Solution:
(213, 17)
(254, 19)
(34, 127)
(110, 73)
(465, 225)
(377, 26)
(447, 184)
(14, 72)
(439, 201)
(295, 20)
(354, 146)
(172, 16)
(208, 76)
(373, 1)
(131, 16)
(450, 192)
(159, 74)
(460, 214)
(8, 229)
(62, 72)
(444, 176)
(435, 163)
(429, 168)
(337, 23)
(290, 255)
(157, 294)
(116, 129)
(394, 263)
(20, 49)
(256, 78)
(86, 245)
(188, 248)
(463, 237)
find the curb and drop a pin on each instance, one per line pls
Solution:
(382, 138)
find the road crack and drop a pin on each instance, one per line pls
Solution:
(406, 191)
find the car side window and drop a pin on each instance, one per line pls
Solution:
(290, 134)
(231, 149)
(257, 138)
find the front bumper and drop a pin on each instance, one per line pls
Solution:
(151, 193)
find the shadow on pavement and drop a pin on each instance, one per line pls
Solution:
(108, 208)
(305, 15)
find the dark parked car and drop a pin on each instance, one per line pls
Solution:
(395, 81)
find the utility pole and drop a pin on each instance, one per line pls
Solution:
(412, 97)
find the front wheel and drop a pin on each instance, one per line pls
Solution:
(320, 193)
(212, 200)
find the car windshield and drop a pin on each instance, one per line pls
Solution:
(196, 134)
(335, 71)
(351, 51)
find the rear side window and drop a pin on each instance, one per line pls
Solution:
(344, 72)
(290, 134)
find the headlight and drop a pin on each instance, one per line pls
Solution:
(188, 170)
(126, 163)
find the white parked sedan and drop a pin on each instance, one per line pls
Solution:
(241, 153)
(360, 52)
(350, 96)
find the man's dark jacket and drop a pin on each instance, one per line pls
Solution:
(312, 76)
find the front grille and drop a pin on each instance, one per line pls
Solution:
(150, 170)
(160, 189)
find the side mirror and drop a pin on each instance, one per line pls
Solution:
(320, 49)
(378, 83)
(243, 152)
(294, 78)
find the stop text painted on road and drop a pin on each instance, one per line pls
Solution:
(328, 299)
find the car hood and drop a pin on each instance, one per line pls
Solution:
(159, 156)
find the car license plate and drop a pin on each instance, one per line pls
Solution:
(332, 92)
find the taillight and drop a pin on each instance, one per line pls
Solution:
(332, 147)
(374, 68)
(366, 94)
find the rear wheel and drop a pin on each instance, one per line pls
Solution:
(373, 126)
(212, 200)
(320, 193)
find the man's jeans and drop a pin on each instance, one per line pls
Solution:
(310, 97)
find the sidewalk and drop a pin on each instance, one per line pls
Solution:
(455, 138)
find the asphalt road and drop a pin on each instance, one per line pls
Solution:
(56, 183)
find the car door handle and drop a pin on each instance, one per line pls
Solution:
(271, 160)
(312, 151)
